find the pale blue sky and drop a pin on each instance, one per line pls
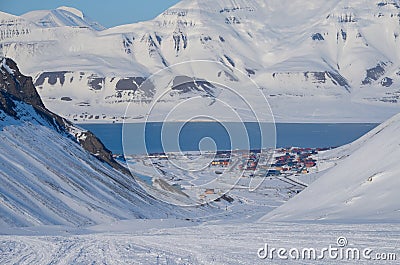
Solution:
(109, 13)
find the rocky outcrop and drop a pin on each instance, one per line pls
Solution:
(185, 84)
(14, 86)
(52, 77)
(374, 73)
(18, 85)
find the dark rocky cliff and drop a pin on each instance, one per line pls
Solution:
(14, 86)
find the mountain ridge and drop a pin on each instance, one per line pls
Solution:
(335, 53)
(62, 16)
(22, 88)
(54, 173)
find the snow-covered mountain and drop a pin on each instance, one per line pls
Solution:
(61, 17)
(361, 187)
(314, 61)
(54, 173)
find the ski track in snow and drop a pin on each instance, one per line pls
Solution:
(221, 244)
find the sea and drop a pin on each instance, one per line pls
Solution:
(158, 137)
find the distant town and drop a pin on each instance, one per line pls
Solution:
(282, 164)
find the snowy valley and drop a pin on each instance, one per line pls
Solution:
(62, 204)
(66, 199)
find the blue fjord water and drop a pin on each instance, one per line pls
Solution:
(193, 136)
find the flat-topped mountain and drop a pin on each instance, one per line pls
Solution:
(314, 61)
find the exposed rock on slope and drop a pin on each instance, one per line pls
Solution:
(48, 178)
(21, 87)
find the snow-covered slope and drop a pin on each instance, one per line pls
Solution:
(362, 187)
(315, 61)
(53, 173)
(14, 26)
(61, 17)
